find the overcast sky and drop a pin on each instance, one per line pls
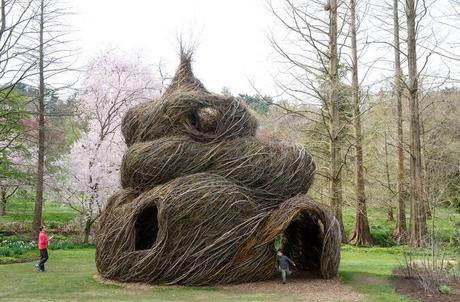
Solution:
(232, 35)
(233, 45)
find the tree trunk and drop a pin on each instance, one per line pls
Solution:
(3, 201)
(335, 151)
(87, 233)
(361, 235)
(339, 196)
(41, 135)
(400, 232)
(426, 203)
(418, 216)
(390, 215)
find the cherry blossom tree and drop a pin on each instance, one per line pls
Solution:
(114, 82)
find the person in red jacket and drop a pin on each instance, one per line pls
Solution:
(43, 247)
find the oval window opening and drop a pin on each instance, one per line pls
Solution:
(146, 228)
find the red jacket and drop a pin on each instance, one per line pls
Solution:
(42, 241)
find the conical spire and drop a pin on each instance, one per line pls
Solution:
(184, 80)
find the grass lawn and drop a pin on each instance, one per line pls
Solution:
(70, 275)
(21, 210)
(382, 229)
(70, 278)
(369, 270)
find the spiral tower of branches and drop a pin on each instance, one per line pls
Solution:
(203, 198)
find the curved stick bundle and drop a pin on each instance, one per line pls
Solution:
(203, 199)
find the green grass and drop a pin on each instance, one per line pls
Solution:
(369, 271)
(22, 210)
(70, 277)
(20, 213)
(22, 256)
(14, 249)
(71, 267)
(382, 229)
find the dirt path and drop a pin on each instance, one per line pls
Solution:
(298, 288)
(303, 288)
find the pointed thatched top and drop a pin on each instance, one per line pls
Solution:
(184, 80)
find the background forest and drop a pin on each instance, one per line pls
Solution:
(370, 88)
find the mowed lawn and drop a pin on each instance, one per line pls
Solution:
(21, 210)
(70, 277)
(369, 271)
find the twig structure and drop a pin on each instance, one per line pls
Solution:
(204, 199)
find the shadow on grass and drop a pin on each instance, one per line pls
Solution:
(376, 286)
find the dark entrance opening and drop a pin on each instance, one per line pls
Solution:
(146, 228)
(303, 241)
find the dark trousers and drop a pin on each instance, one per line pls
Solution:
(43, 259)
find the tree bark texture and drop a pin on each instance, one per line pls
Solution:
(3, 201)
(390, 215)
(361, 235)
(335, 148)
(418, 215)
(41, 134)
(400, 232)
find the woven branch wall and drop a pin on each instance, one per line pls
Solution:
(203, 198)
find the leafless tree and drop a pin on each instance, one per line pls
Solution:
(361, 234)
(414, 44)
(400, 232)
(15, 19)
(49, 47)
(390, 215)
(418, 214)
(313, 39)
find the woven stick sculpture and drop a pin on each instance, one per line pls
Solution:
(204, 199)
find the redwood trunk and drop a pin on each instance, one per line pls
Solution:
(400, 232)
(426, 204)
(361, 235)
(41, 135)
(390, 215)
(418, 215)
(335, 148)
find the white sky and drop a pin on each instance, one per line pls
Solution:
(233, 45)
(232, 34)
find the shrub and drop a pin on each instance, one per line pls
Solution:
(432, 271)
(5, 252)
(6, 260)
(53, 225)
(66, 245)
(382, 236)
(15, 246)
(12, 248)
(14, 227)
(456, 203)
(456, 269)
(444, 289)
(455, 239)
